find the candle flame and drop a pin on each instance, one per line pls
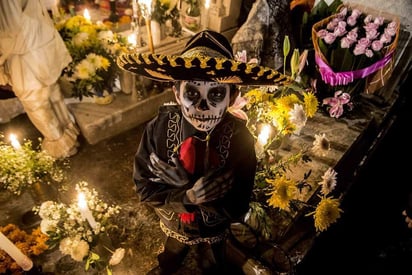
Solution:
(14, 141)
(207, 4)
(81, 201)
(264, 134)
(86, 14)
(132, 39)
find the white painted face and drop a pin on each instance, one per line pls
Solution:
(203, 103)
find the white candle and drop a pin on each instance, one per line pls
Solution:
(22, 260)
(14, 141)
(86, 14)
(85, 211)
(262, 140)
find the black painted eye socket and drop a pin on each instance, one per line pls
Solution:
(217, 94)
(192, 94)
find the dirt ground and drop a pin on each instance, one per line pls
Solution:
(107, 167)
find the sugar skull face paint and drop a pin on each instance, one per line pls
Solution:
(203, 103)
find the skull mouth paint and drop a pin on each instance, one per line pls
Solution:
(203, 103)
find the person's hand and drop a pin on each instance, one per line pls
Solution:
(408, 220)
(173, 175)
(211, 187)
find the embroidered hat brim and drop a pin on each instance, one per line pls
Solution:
(206, 57)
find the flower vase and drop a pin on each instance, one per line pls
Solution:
(127, 82)
(104, 98)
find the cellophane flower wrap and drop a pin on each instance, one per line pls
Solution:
(354, 48)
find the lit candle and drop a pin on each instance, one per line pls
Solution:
(86, 14)
(14, 141)
(146, 8)
(131, 38)
(262, 139)
(22, 260)
(85, 211)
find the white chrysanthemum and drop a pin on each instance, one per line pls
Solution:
(298, 117)
(328, 181)
(80, 250)
(321, 145)
(117, 256)
(80, 38)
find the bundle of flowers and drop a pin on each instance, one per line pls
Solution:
(354, 48)
(71, 230)
(273, 115)
(21, 166)
(94, 48)
(32, 244)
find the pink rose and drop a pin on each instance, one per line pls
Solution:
(340, 30)
(372, 34)
(351, 20)
(368, 19)
(376, 45)
(330, 38)
(322, 33)
(379, 20)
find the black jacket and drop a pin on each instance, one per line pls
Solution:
(234, 146)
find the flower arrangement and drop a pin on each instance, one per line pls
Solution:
(67, 228)
(94, 48)
(33, 244)
(22, 165)
(352, 45)
(273, 115)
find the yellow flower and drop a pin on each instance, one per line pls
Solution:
(285, 103)
(75, 22)
(327, 212)
(284, 190)
(311, 104)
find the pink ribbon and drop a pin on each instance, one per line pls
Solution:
(344, 78)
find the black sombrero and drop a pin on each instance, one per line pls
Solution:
(207, 56)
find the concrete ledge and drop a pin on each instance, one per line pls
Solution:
(99, 122)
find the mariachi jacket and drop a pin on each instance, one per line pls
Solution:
(231, 146)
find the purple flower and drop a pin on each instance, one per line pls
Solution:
(361, 46)
(336, 103)
(379, 20)
(330, 38)
(340, 29)
(377, 45)
(352, 20)
(372, 34)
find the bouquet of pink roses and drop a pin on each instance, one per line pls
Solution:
(355, 48)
